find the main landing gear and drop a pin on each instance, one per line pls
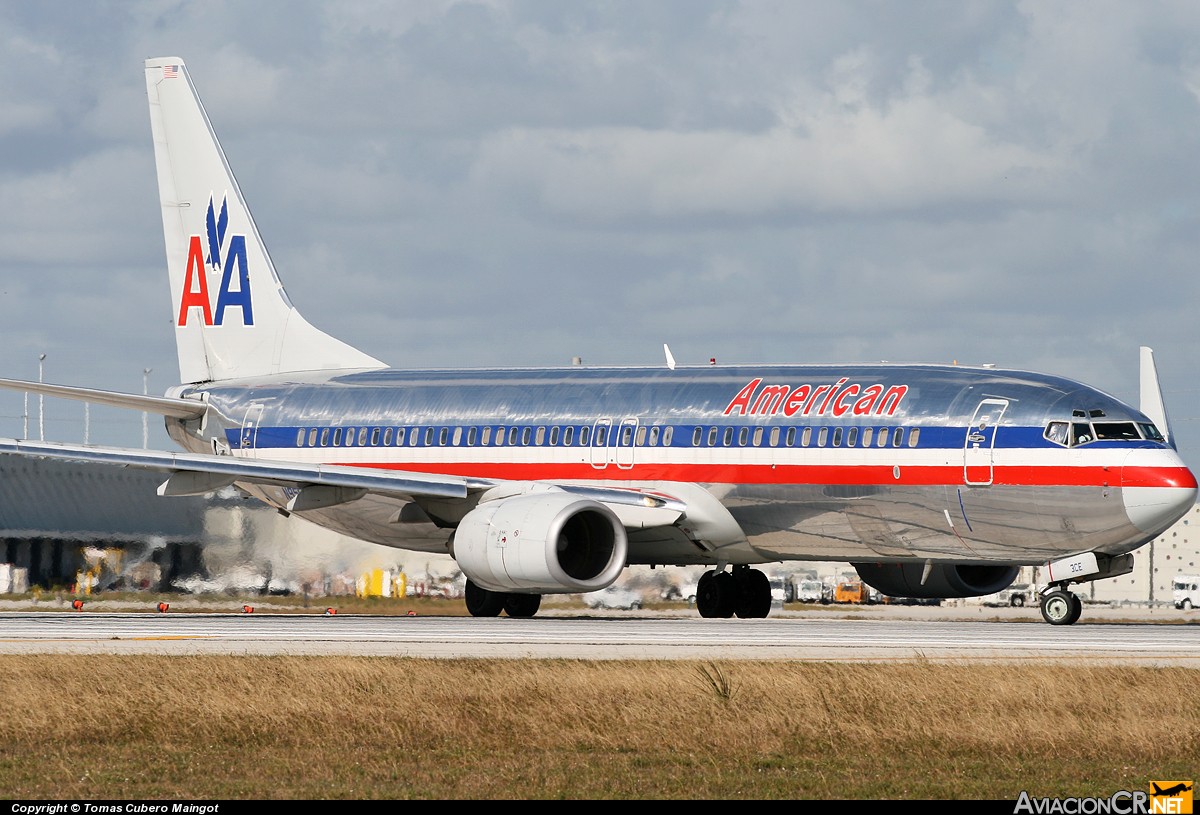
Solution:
(745, 592)
(486, 603)
(1061, 607)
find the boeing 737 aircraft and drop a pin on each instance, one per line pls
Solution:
(933, 480)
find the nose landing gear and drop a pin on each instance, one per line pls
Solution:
(1061, 607)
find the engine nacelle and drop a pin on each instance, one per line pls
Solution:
(548, 542)
(946, 580)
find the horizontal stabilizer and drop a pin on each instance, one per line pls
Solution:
(160, 405)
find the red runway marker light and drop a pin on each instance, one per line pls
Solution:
(247, 609)
(77, 604)
(162, 607)
(412, 614)
(330, 611)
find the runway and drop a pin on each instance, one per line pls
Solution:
(581, 637)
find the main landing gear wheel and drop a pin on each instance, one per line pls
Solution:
(482, 602)
(716, 594)
(522, 605)
(1061, 607)
(745, 592)
(754, 593)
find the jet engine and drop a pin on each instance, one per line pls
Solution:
(548, 542)
(944, 580)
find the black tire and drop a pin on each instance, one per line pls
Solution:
(753, 594)
(522, 605)
(482, 602)
(716, 594)
(1060, 607)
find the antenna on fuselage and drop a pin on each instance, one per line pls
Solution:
(1151, 395)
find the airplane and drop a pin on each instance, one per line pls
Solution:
(933, 480)
(1170, 791)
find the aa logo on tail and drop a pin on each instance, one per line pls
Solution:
(226, 256)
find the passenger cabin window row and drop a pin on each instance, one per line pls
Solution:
(599, 436)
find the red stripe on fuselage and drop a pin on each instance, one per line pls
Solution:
(864, 475)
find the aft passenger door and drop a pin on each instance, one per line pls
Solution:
(249, 434)
(980, 442)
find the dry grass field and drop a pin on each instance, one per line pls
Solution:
(221, 728)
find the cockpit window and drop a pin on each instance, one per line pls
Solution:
(1057, 433)
(1121, 431)
(1081, 433)
(1151, 432)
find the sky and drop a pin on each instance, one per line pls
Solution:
(473, 184)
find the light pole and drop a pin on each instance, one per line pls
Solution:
(41, 402)
(145, 415)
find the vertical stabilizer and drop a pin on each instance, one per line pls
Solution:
(232, 317)
(1151, 395)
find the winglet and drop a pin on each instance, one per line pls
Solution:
(1151, 395)
(670, 357)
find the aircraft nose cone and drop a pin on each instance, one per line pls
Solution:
(1157, 488)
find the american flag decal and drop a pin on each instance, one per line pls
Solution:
(170, 71)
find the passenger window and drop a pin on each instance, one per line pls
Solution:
(913, 436)
(374, 436)
(666, 440)
(654, 436)
(457, 436)
(399, 436)
(349, 437)
(387, 437)
(568, 435)
(427, 441)
(526, 435)
(822, 436)
(337, 437)
(758, 434)
(472, 435)
(413, 437)
(300, 438)
(554, 434)
(790, 439)
(540, 436)
(881, 440)
(897, 436)
(727, 437)
(743, 436)
(837, 437)
(697, 435)
(806, 437)
(626, 436)
(512, 437)
(712, 437)
(500, 436)
(640, 441)
(584, 433)
(485, 436)
(362, 437)
(867, 431)
(852, 437)
(601, 436)
(773, 439)
(325, 437)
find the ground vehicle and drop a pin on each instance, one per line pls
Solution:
(811, 591)
(614, 597)
(1185, 591)
(1017, 595)
(853, 591)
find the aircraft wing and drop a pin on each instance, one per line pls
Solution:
(324, 484)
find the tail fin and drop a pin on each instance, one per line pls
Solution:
(232, 317)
